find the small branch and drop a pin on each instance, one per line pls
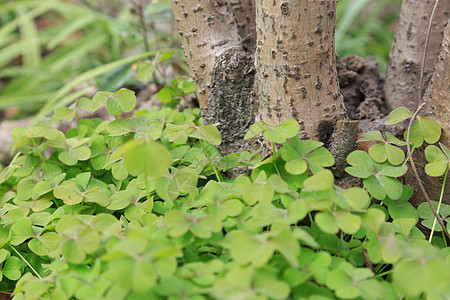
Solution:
(140, 11)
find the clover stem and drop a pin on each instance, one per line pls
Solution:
(23, 258)
(384, 273)
(274, 157)
(162, 75)
(407, 157)
(147, 186)
(37, 150)
(380, 268)
(56, 202)
(439, 205)
(219, 178)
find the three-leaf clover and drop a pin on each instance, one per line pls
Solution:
(274, 133)
(439, 160)
(300, 154)
(122, 100)
(385, 150)
(379, 179)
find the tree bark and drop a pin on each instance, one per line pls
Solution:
(437, 95)
(437, 108)
(296, 65)
(222, 70)
(405, 59)
(244, 12)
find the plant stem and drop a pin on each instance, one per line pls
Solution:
(416, 174)
(162, 74)
(140, 12)
(219, 178)
(274, 159)
(439, 205)
(37, 150)
(56, 202)
(23, 258)
(384, 273)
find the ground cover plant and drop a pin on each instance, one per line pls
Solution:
(141, 208)
(141, 204)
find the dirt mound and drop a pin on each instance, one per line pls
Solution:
(362, 87)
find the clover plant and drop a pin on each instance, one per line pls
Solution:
(141, 207)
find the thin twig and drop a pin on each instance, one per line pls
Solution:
(416, 174)
(408, 145)
(140, 12)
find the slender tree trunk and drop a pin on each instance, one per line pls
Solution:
(437, 95)
(437, 108)
(296, 65)
(244, 11)
(405, 59)
(222, 70)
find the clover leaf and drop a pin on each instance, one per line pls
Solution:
(439, 160)
(424, 212)
(379, 179)
(12, 268)
(385, 149)
(245, 248)
(300, 154)
(122, 100)
(274, 133)
(398, 115)
(426, 130)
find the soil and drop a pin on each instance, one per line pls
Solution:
(362, 87)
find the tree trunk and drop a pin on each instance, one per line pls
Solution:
(296, 65)
(437, 108)
(244, 12)
(295, 60)
(222, 70)
(437, 95)
(405, 59)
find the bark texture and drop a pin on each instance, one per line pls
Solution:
(437, 95)
(405, 59)
(244, 12)
(296, 65)
(222, 70)
(437, 108)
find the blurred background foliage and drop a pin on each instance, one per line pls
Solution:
(45, 44)
(53, 51)
(366, 27)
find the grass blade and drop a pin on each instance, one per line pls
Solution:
(56, 100)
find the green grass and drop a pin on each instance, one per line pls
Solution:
(46, 44)
(366, 27)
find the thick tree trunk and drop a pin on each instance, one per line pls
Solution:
(405, 59)
(296, 65)
(244, 11)
(222, 70)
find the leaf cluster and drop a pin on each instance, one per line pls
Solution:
(141, 207)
